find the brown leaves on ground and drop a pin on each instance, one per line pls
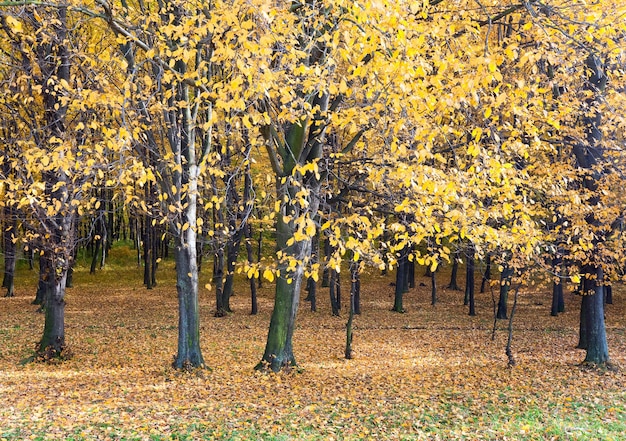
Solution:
(432, 373)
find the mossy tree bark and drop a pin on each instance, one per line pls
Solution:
(279, 348)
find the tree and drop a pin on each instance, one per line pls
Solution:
(161, 58)
(57, 154)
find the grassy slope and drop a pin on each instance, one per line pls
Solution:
(432, 373)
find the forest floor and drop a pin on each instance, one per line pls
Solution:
(432, 373)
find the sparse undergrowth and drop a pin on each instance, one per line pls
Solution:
(432, 373)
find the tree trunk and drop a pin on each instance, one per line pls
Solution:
(311, 285)
(218, 280)
(433, 288)
(592, 312)
(279, 349)
(453, 285)
(254, 307)
(505, 286)
(558, 304)
(469, 281)
(592, 327)
(259, 254)
(10, 251)
(410, 274)
(354, 273)
(486, 274)
(52, 343)
(189, 354)
(400, 283)
(608, 294)
(557, 298)
(147, 252)
(326, 270)
(335, 292)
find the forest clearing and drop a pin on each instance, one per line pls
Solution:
(430, 373)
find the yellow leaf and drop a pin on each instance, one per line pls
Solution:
(14, 24)
(434, 265)
(268, 275)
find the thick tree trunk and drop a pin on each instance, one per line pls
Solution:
(189, 354)
(593, 335)
(401, 278)
(557, 298)
(592, 327)
(52, 343)
(279, 349)
(608, 294)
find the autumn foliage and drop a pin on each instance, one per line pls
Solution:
(332, 141)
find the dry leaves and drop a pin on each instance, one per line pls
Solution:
(431, 373)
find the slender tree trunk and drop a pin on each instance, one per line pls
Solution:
(508, 350)
(558, 304)
(334, 292)
(232, 253)
(505, 286)
(469, 285)
(254, 307)
(326, 271)
(354, 273)
(433, 288)
(400, 283)
(147, 252)
(97, 241)
(259, 254)
(10, 251)
(453, 285)
(486, 274)
(218, 280)
(410, 274)
(311, 285)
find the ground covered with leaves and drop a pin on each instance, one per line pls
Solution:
(430, 373)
